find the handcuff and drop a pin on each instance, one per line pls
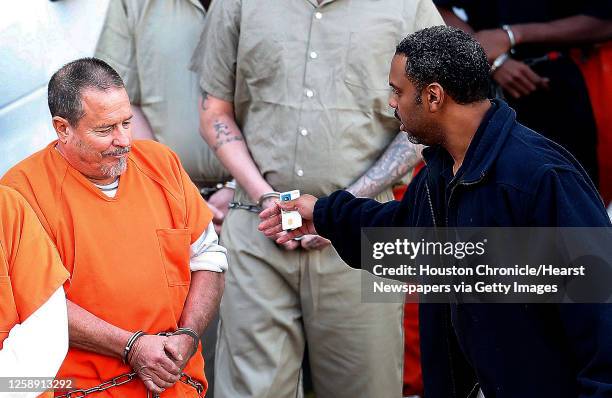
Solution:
(257, 208)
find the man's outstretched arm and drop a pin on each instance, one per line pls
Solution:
(338, 217)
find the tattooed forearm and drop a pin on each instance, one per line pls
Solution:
(224, 135)
(398, 159)
(219, 144)
(221, 129)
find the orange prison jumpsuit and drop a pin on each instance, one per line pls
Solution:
(128, 256)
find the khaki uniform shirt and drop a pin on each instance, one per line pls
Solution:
(150, 44)
(309, 82)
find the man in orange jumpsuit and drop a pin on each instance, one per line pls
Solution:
(33, 322)
(135, 235)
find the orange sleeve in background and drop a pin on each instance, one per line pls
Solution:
(31, 269)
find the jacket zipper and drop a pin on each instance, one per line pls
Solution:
(433, 215)
(465, 184)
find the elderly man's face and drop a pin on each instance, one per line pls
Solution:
(99, 144)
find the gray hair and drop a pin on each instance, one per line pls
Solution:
(66, 85)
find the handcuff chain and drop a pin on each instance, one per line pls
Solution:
(128, 377)
(124, 379)
(244, 206)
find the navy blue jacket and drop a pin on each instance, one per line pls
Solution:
(511, 176)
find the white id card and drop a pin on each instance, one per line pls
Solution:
(290, 219)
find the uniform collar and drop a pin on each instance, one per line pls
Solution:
(198, 5)
(316, 3)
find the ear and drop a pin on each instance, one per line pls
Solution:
(435, 96)
(62, 128)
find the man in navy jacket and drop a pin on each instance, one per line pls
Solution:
(483, 170)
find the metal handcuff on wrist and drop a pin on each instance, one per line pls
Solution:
(128, 377)
(209, 191)
(255, 208)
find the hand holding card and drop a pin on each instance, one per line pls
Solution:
(290, 219)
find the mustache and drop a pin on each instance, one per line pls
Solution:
(118, 151)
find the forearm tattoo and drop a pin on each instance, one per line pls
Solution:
(224, 135)
(398, 159)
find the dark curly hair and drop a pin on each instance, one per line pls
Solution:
(450, 57)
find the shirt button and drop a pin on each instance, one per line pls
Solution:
(318, 15)
(314, 55)
(309, 93)
(300, 172)
(304, 132)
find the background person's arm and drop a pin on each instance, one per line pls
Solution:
(219, 129)
(215, 61)
(577, 29)
(574, 30)
(401, 155)
(399, 158)
(515, 77)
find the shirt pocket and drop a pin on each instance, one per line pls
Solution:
(8, 309)
(174, 247)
